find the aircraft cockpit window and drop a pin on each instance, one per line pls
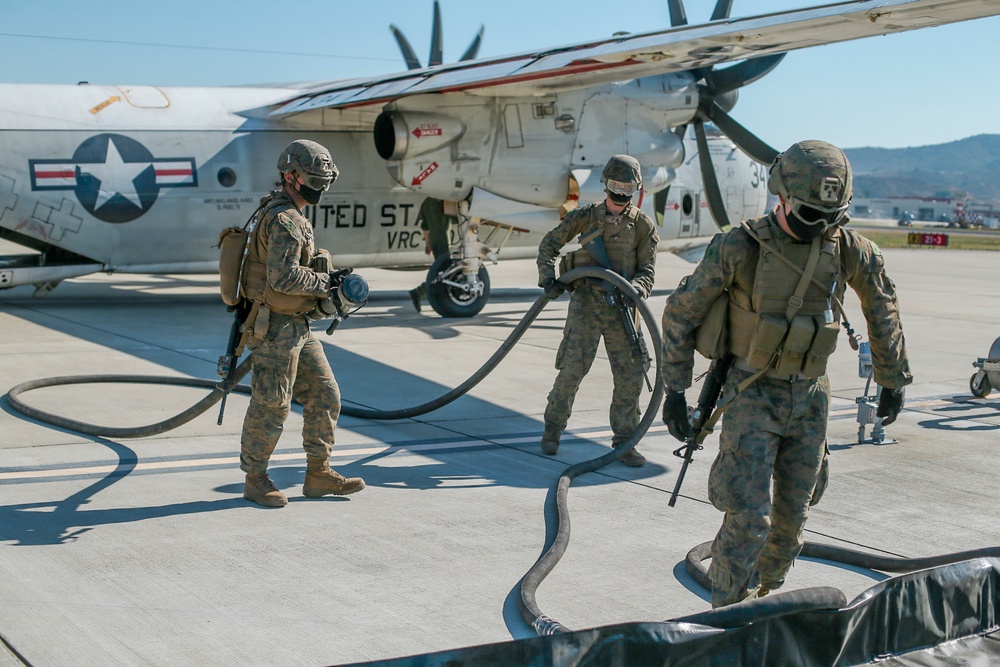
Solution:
(227, 177)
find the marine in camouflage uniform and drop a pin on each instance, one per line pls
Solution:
(630, 239)
(775, 429)
(285, 276)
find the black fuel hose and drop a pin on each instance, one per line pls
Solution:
(539, 622)
(551, 556)
(218, 388)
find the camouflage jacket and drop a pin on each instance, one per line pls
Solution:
(730, 262)
(578, 221)
(287, 239)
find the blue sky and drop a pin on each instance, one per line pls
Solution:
(922, 87)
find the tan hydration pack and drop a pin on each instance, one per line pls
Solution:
(232, 249)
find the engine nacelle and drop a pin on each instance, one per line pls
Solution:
(400, 135)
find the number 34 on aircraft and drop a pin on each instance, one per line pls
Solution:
(143, 178)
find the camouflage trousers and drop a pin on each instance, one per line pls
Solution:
(288, 362)
(590, 318)
(775, 429)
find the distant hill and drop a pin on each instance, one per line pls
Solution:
(968, 166)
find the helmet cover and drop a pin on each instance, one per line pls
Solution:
(310, 160)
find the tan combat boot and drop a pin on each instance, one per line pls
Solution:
(632, 458)
(261, 490)
(321, 481)
(550, 440)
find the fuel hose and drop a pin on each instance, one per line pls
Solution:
(231, 383)
(551, 555)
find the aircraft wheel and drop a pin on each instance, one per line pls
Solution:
(982, 388)
(449, 300)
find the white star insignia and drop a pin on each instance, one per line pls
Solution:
(116, 177)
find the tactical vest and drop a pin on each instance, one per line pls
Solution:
(770, 326)
(620, 245)
(254, 277)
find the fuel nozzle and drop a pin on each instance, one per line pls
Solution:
(349, 297)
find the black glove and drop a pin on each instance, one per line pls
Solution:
(338, 275)
(890, 403)
(553, 288)
(675, 415)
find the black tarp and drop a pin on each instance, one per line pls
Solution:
(942, 616)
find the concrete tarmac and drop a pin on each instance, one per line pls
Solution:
(143, 551)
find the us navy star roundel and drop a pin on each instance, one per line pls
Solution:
(115, 177)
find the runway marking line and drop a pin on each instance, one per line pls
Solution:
(338, 454)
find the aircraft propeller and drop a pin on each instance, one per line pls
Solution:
(717, 96)
(437, 52)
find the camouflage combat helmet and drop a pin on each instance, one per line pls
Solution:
(311, 161)
(622, 175)
(815, 178)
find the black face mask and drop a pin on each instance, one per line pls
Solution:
(311, 196)
(619, 200)
(801, 230)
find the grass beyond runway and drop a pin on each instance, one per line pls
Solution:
(956, 239)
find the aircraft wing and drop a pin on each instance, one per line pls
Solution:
(639, 55)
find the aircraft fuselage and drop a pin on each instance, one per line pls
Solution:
(143, 179)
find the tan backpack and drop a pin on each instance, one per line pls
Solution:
(232, 248)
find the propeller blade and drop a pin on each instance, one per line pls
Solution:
(746, 140)
(473, 50)
(412, 62)
(437, 52)
(677, 15)
(722, 9)
(709, 180)
(721, 81)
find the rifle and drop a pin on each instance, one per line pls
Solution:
(227, 362)
(639, 351)
(594, 244)
(702, 423)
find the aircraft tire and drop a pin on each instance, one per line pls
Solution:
(450, 301)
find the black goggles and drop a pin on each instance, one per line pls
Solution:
(811, 214)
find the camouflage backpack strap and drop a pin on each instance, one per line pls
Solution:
(268, 209)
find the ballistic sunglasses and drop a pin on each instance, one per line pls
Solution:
(622, 187)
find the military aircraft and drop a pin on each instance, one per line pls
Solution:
(143, 178)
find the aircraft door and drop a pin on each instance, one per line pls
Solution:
(690, 213)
